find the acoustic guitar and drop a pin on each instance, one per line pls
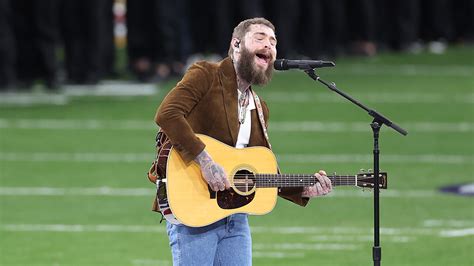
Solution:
(253, 175)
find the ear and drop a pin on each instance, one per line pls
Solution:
(236, 44)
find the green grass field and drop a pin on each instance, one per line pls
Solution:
(73, 189)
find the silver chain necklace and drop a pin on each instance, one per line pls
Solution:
(243, 104)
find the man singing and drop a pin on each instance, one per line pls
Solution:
(216, 99)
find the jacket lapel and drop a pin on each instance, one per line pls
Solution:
(228, 81)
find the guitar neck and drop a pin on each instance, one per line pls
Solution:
(292, 180)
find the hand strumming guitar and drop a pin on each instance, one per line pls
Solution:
(323, 187)
(212, 172)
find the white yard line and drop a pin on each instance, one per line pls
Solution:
(457, 232)
(359, 238)
(93, 191)
(277, 254)
(387, 158)
(99, 157)
(28, 99)
(275, 126)
(372, 97)
(349, 234)
(82, 228)
(320, 126)
(448, 223)
(305, 246)
(74, 124)
(410, 70)
(76, 157)
(154, 262)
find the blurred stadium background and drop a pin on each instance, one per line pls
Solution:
(77, 135)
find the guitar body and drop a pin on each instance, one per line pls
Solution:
(190, 199)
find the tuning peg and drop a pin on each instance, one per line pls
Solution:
(369, 170)
(362, 170)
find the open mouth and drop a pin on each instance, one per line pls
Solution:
(263, 58)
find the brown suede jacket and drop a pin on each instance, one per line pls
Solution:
(205, 102)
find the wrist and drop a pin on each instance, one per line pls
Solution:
(203, 159)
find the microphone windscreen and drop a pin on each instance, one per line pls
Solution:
(280, 64)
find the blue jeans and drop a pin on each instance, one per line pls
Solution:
(225, 242)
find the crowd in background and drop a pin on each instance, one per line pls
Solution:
(72, 42)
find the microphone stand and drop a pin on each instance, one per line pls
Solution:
(378, 121)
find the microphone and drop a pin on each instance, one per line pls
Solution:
(285, 64)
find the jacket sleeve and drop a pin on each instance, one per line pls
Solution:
(172, 113)
(292, 194)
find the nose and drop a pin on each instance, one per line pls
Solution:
(267, 43)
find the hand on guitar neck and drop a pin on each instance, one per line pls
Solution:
(212, 172)
(323, 187)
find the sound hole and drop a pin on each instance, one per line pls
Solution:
(244, 181)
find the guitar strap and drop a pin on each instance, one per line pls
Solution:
(262, 121)
(261, 117)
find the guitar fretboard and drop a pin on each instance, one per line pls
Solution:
(282, 180)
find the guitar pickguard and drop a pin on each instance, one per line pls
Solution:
(229, 199)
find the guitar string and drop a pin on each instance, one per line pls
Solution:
(298, 180)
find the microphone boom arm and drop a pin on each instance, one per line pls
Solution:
(376, 115)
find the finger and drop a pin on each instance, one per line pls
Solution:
(329, 183)
(213, 187)
(319, 189)
(226, 183)
(221, 186)
(322, 182)
(327, 180)
(223, 177)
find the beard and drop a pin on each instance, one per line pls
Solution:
(251, 73)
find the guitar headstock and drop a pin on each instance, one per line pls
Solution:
(367, 180)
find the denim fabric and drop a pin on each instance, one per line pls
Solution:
(225, 242)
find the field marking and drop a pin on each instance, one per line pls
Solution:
(28, 99)
(448, 223)
(360, 238)
(76, 157)
(276, 126)
(277, 254)
(308, 231)
(304, 246)
(457, 232)
(74, 124)
(320, 126)
(139, 262)
(92, 191)
(82, 228)
(148, 192)
(410, 69)
(90, 157)
(372, 97)
(386, 158)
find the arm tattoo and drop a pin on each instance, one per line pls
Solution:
(203, 158)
